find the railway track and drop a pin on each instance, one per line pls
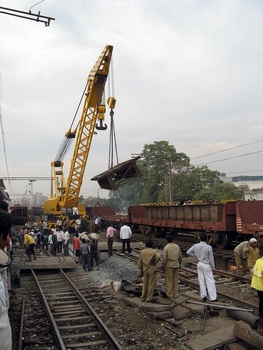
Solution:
(37, 331)
(54, 314)
(228, 284)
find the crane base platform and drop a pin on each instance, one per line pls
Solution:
(118, 175)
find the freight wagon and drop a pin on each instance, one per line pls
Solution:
(225, 224)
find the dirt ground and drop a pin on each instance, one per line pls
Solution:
(135, 330)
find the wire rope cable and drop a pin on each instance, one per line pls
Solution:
(112, 139)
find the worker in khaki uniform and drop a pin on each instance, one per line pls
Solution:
(148, 260)
(172, 258)
(252, 253)
(241, 261)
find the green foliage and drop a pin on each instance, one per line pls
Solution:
(219, 192)
(168, 175)
(188, 183)
(159, 162)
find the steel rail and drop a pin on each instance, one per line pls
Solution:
(49, 314)
(20, 340)
(104, 329)
(195, 284)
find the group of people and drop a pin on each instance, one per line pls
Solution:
(85, 247)
(247, 256)
(148, 260)
(57, 239)
(171, 262)
(125, 236)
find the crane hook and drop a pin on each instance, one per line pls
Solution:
(100, 126)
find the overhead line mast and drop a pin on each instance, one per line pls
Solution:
(27, 15)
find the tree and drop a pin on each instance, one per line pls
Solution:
(192, 180)
(219, 192)
(159, 161)
(168, 176)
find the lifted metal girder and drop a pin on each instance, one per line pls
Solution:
(118, 175)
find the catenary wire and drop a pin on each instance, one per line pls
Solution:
(229, 149)
(3, 136)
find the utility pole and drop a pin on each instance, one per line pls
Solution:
(170, 178)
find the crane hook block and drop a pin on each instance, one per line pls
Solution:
(100, 126)
(111, 101)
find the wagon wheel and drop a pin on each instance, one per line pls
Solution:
(155, 232)
(222, 240)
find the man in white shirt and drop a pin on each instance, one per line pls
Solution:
(59, 238)
(205, 266)
(125, 236)
(65, 240)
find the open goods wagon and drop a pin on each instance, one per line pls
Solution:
(225, 224)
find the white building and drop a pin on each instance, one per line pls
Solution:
(255, 184)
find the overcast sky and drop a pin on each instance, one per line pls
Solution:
(185, 71)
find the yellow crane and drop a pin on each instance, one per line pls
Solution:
(65, 194)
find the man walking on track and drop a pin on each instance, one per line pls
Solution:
(125, 235)
(110, 234)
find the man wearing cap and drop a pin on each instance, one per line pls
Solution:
(252, 254)
(240, 258)
(5, 329)
(30, 244)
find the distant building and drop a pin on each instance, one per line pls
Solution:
(256, 194)
(255, 184)
(38, 199)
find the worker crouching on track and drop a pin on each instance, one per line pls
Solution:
(30, 245)
(148, 260)
(240, 259)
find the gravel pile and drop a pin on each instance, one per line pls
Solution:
(114, 268)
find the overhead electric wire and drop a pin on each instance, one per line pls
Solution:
(3, 136)
(35, 5)
(239, 156)
(229, 149)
